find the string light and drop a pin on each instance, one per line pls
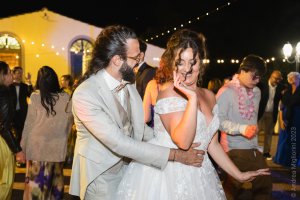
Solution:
(191, 21)
(38, 55)
(235, 61)
(206, 61)
(219, 61)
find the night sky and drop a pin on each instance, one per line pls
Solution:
(245, 26)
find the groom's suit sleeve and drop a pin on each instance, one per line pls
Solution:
(95, 116)
(148, 133)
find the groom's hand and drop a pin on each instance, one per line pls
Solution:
(192, 156)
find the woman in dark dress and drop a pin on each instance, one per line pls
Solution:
(288, 147)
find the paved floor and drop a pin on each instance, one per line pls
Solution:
(282, 178)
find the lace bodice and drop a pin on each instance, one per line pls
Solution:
(204, 133)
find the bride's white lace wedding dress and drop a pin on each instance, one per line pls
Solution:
(177, 181)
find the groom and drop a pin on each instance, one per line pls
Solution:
(109, 120)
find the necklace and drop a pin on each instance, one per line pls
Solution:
(245, 99)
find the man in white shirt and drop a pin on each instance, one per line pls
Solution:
(20, 91)
(271, 93)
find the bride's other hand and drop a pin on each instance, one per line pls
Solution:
(251, 175)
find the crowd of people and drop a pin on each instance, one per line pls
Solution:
(134, 131)
(35, 126)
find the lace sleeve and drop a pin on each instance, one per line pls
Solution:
(169, 105)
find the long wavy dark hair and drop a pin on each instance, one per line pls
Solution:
(111, 41)
(47, 83)
(181, 40)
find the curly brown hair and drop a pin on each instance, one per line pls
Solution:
(180, 41)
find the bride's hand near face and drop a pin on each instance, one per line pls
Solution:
(179, 84)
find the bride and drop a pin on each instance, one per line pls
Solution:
(184, 113)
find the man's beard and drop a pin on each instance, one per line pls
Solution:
(127, 73)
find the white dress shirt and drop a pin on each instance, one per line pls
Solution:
(272, 89)
(112, 85)
(18, 94)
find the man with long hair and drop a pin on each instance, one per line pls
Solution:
(109, 120)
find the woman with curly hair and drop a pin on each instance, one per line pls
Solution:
(184, 113)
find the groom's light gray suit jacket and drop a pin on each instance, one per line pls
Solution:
(101, 142)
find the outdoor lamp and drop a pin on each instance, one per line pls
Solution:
(289, 56)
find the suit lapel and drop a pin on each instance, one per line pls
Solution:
(137, 114)
(142, 68)
(107, 97)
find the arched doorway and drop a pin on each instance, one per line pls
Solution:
(10, 50)
(80, 54)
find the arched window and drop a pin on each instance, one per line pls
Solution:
(81, 52)
(10, 50)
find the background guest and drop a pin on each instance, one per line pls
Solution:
(271, 93)
(149, 101)
(45, 135)
(238, 103)
(214, 85)
(288, 147)
(150, 96)
(20, 93)
(9, 147)
(145, 72)
(66, 82)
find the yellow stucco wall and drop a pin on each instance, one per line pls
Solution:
(56, 32)
(48, 35)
